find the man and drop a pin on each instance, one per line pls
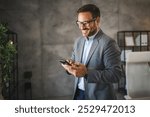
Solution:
(95, 60)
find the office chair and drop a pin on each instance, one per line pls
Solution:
(138, 75)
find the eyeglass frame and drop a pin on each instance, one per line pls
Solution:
(85, 23)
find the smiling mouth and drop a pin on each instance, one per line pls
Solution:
(84, 31)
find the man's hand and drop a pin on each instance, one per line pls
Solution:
(80, 70)
(76, 69)
(69, 68)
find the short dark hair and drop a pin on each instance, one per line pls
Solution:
(93, 9)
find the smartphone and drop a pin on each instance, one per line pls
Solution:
(65, 62)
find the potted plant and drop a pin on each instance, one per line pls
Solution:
(7, 52)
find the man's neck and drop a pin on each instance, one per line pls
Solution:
(89, 37)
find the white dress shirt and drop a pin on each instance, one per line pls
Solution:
(86, 50)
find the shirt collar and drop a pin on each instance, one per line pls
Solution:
(93, 36)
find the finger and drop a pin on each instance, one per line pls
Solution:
(71, 61)
(77, 64)
(73, 68)
(66, 67)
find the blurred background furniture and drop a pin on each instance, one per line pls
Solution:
(138, 75)
(131, 41)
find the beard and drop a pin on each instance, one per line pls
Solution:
(88, 32)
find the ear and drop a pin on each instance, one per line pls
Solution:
(98, 19)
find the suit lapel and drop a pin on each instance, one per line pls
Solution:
(93, 47)
(80, 52)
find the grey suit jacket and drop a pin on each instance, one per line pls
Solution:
(103, 64)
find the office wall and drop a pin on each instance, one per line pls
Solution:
(46, 31)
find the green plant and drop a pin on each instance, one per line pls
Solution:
(7, 52)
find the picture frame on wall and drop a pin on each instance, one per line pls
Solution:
(129, 41)
(141, 40)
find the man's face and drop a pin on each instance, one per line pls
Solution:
(87, 24)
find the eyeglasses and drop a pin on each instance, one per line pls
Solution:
(85, 23)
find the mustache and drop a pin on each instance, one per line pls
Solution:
(85, 29)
